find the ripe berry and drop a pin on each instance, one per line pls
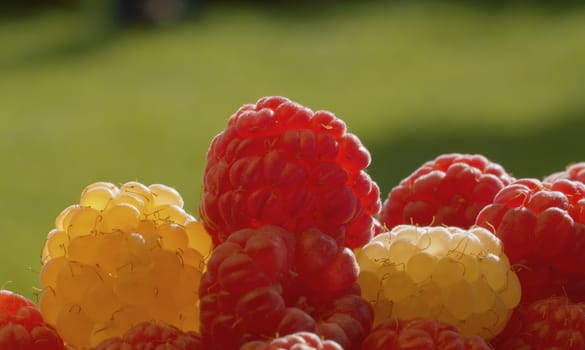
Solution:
(279, 163)
(551, 323)
(542, 227)
(267, 282)
(449, 190)
(420, 333)
(122, 256)
(575, 172)
(151, 335)
(295, 341)
(22, 326)
(453, 275)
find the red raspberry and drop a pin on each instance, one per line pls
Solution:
(542, 228)
(551, 323)
(155, 336)
(575, 172)
(449, 190)
(266, 282)
(419, 333)
(279, 163)
(22, 326)
(295, 341)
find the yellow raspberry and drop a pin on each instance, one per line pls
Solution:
(458, 276)
(122, 256)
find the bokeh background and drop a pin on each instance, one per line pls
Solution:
(135, 90)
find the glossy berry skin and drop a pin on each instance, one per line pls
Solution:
(542, 228)
(153, 336)
(574, 172)
(551, 323)
(420, 334)
(295, 341)
(267, 282)
(449, 190)
(22, 327)
(280, 163)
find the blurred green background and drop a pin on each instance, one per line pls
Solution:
(84, 98)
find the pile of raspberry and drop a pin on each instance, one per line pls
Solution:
(294, 249)
(541, 227)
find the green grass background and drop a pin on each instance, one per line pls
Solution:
(81, 103)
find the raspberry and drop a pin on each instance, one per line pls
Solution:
(295, 341)
(542, 227)
(151, 335)
(279, 163)
(22, 326)
(449, 190)
(420, 333)
(267, 282)
(551, 323)
(122, 256)
(453, 275)
(575, 172)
